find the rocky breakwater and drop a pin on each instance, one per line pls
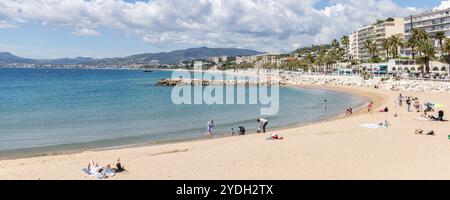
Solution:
(196, 82)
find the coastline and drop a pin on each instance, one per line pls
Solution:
(332, 149)
(74, 149)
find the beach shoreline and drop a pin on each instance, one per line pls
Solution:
(45, 151)
(333, 149)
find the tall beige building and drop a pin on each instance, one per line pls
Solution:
(376, 32)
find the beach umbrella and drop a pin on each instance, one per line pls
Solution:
(439, 106)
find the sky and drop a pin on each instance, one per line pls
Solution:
(117, 28)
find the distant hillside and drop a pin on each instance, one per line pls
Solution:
(173, 57)
(6, 57)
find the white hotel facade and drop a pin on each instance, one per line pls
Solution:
(431, 21)
(375, 32)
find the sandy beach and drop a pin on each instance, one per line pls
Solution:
(339, 148)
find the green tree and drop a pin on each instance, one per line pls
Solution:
(386, 46)
(426, 47)
(345, 42)
(335, 44)
(440, 37)
(446, 52)
(371, 47)
(395, 42)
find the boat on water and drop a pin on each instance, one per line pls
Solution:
(147, 71)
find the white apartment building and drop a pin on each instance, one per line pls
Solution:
(269, 59)
(353, 46)
(375, 32)
(431, 21)
(245, 59)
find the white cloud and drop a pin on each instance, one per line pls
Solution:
(4, 25)
(260, 24)
(85, 32)
(444, 5)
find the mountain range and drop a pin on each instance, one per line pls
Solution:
(172, 57)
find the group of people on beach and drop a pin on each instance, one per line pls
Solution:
(241, 130)
(414, 104)
(410, 102)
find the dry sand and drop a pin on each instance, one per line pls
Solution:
(335, 149)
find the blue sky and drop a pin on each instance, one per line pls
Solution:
(68, 29)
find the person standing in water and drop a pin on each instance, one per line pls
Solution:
(211, 127)
(325, 105)
(263, 125)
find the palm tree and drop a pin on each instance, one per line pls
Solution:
(426, 47)
(386, 46)
(420, 34)
(335, 44)
(395, 42)
(446, 52)
(371, 47)
(440, 36)
(412, 42)
(345, 41)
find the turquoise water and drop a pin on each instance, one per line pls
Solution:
(62, 109)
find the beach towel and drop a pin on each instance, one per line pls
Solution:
(106, 173)
(439, 106)
(371, 126)
(421, 119)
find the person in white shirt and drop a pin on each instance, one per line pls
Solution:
(264, 123)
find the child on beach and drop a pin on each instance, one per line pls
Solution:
(369, 107)
(349, 111)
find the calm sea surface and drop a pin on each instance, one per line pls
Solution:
(66, 109)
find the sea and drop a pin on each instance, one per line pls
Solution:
(46, 111)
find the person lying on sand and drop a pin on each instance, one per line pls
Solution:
(384, 124)
(421, 131)
(274, 136)
(118, 168)
(439, 117)
(423, 117)
(94, 168)
(383, 109)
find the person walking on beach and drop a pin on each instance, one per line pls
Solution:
(408, 103)
(211, 127)
(400, 100)
(263, 125)
(369, 107)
